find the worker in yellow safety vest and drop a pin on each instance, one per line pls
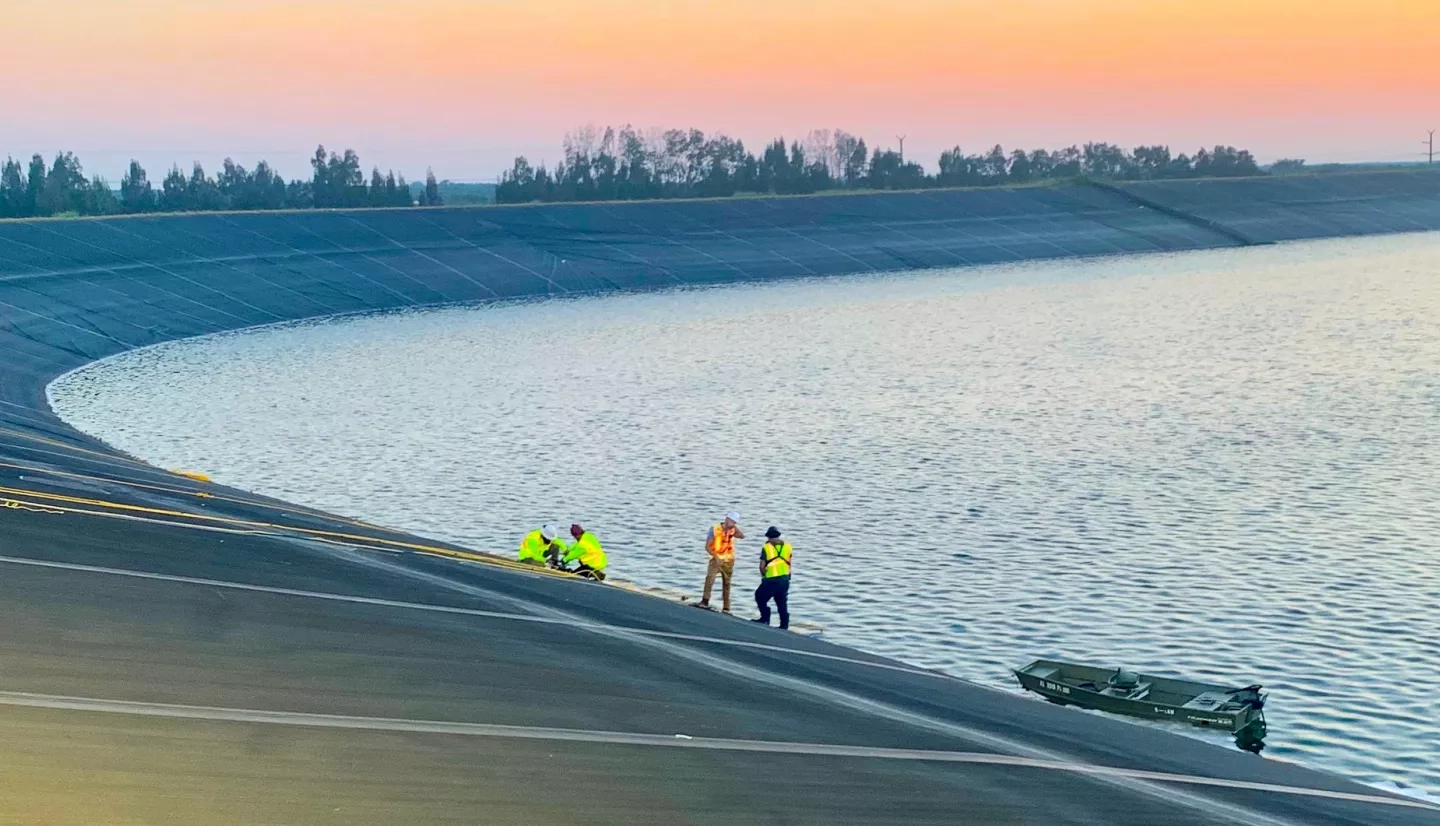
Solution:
(720, 545)
(542, 547)
(586, 552)
(774, 578)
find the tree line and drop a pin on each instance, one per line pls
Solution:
(623, 164)
(39, 190)
(627, 164)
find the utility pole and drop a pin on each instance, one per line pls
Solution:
(1431, 147)
(902, 146)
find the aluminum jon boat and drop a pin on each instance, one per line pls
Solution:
(1140, 695)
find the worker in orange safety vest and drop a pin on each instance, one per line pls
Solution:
(720, 545)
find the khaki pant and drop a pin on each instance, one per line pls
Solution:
(725, 568)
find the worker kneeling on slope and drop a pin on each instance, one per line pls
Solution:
(542, 547)
(774, 578)
(720, 544)
(587, 554)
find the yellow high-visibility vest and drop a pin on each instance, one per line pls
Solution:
(777, 559)
(588, 551)
(534, 546)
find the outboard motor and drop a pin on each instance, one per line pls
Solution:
(1248, 696)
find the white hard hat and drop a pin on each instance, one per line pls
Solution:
(549, 531)
(733, 516)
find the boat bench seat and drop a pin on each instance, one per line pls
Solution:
(1208, 701)
(1139, 692)
(1045, 673)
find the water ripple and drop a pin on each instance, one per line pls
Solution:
(1217, 464)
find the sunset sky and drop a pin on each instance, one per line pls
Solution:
(465, 85)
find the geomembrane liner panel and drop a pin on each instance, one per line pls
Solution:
(75, 290)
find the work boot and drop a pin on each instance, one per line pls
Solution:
(704, 603)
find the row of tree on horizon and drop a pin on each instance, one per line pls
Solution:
(627, 164)
(623, 164)
(337, 180)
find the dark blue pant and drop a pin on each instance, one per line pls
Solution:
(778, 589)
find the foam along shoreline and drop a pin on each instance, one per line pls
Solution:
(797, 626)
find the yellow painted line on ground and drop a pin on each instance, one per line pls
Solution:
(48, 500)
(653, 592)
(106, 503)
(34, 507)
(118, 458)
(274, 506)
(344, 539)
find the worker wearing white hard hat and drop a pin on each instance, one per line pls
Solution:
(720, 545)
(542, 547)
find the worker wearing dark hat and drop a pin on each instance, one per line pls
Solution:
(774, 578)
(586, 552)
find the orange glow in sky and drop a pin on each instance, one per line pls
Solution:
(464, 85)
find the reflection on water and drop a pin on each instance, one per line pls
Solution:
(1216, 465)
(1251, 738)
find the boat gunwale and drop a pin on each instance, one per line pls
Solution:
(1241, 717)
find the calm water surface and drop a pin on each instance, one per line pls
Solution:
(1219, 464)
